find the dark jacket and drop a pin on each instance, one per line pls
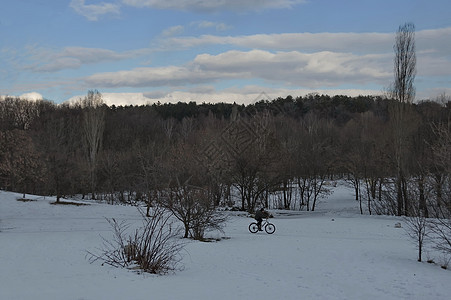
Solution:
(259, 215)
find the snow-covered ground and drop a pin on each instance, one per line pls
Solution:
(333, 253)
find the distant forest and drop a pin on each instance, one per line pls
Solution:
(284, 153)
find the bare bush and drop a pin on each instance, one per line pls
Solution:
(441, 208)
(154, 247)
(386, 205)
(441, 229)
(441, 224)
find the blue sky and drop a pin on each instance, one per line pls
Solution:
(142, 51)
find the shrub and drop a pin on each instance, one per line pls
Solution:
(154, 247)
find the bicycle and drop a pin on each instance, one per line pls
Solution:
(268, 226)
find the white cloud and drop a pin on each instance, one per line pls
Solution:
(429, 64)
(288, 68)
(434, 40)
(171, 31)
(92, 12)
(345, 42)
(151, 77)
(47, 60)
(214, 5)
(371, 42)
(209, 24)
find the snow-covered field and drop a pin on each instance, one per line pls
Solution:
(333, 253)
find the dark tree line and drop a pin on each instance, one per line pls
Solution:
(281, 153)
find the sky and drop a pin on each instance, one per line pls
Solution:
(144, 51)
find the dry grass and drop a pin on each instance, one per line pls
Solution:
(25, 200)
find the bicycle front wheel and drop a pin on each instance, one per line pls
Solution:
(270, 228)
(253, 227)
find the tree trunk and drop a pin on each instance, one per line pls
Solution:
(399, 198)
(422, 201)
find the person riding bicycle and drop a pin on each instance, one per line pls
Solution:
(259, 215)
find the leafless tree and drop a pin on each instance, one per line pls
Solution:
(441, 228)
(354, 156)
(169, 128)
(112, 172)
(186, 193)
(93, 126)
(442, 155)
(417, 229)
(405, 64)
(286, 131)
(316, 155)
(194, 207)
(58, 139)
(442, 205)
(151, 172)
(254, 159)
(18, 113)
(21, 167)
(418, 225)
(403, 91)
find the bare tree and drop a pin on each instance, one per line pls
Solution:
(93, 126)
(194, 207)
(315, 157)
(187, 195)
(253, 149)
(246, 177)
(18, 113)
(442, 154)
(441, 226)
(418, 225)
(57, 138)
(151, 179)
(417, 229)
(169, 128)
(403, 91)
(355, 156)
(113, 173)
(21, 167)
(405, 64)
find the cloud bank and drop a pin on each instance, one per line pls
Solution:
(47, 60)
(93, 12)
(214, 5)
(289, 68)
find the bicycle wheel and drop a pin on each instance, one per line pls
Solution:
(270, 228)
(253, 227)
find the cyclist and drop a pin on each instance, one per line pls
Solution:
(259, 215)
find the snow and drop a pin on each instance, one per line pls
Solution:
(332, 253)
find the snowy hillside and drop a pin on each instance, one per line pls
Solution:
(333, 253)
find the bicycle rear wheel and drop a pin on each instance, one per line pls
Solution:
(253, 227)
(270, 228)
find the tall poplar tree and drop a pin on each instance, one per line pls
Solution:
(403, 91)
(93, 127)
